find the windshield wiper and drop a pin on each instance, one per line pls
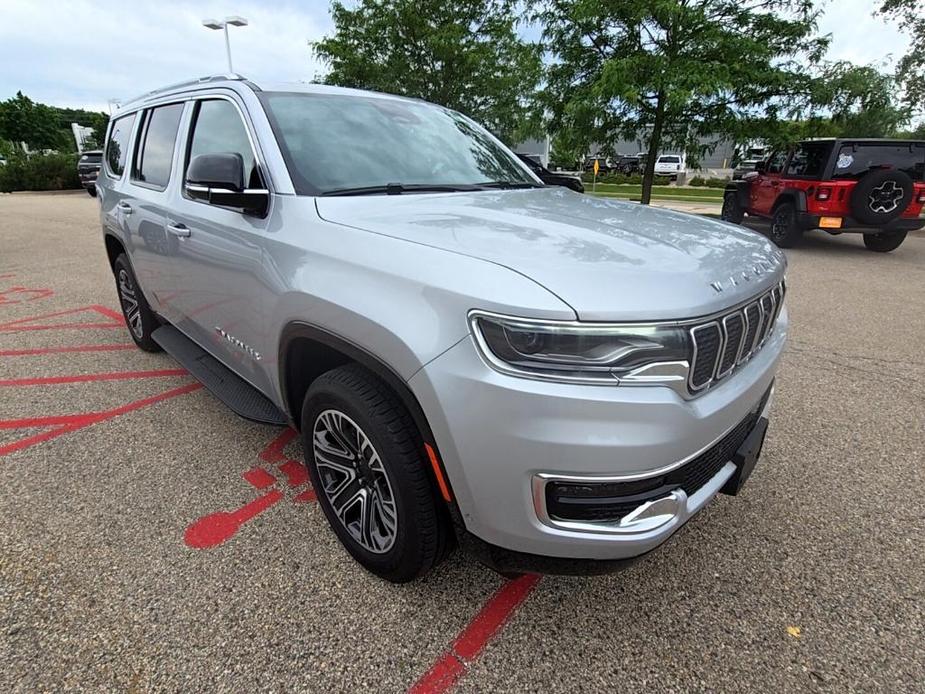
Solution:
(399, 188)
(510, 185)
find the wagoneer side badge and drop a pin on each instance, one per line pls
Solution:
(237, 343)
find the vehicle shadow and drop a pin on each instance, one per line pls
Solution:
(817, 241)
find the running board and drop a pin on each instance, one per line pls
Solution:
(239, 395)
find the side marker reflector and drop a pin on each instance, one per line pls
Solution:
(438, 473)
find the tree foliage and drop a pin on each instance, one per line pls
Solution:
(674, 71)
(465, 55)
(23, 120)
(910, 72)
(46, 127)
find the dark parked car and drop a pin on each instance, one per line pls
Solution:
(88, 168)
(550, 178)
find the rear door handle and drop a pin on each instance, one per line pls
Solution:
(178, 229)
(124, 208)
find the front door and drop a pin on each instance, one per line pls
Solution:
(218, 268)
(764, 191)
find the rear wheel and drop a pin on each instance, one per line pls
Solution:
(785, 232)
(365, 458)
(139, 318)
(732, 210)
(885, 241)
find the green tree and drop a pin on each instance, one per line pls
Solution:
(23, 120)
(910, 71)
(465, 55)
(860, 100)
(674, 71)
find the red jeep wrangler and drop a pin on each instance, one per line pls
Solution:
(871, 187)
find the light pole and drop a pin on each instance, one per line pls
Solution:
(234, 21)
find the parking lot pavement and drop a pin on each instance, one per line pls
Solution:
(152, 540)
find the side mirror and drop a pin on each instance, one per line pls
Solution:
(761, 166)
(219, 180)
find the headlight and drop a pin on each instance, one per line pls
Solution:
(571, 351)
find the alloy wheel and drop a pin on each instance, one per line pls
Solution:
(354, 481)
(130, 306)
(780, 226)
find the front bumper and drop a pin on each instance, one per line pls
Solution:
(501, 436)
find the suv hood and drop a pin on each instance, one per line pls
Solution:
(609, 260)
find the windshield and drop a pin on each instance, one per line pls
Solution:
(854, 161)
(337, 143)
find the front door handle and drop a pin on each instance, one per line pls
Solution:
(178, 230)
(124, 208)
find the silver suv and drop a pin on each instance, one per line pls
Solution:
(554, 381)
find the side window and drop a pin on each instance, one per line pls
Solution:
(776, 162)
(117, 145)
(155, 149)
(808, 160)
(218, 129)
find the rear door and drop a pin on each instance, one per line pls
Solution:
(147, 202)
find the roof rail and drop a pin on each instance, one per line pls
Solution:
(231, 76)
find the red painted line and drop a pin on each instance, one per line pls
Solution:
(115, 347)
(471, 641)
(273, 453)
(305, 497)
(218, 527)
(295, 472)
(66, 312)
(59, 326)
(85, 420)
(84, 378)
(31, 422)
(21, 291)
(111, 313)
(258, 478)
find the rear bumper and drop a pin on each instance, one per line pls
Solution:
(850, 225)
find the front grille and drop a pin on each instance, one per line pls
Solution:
(610, 501)
(729, 340)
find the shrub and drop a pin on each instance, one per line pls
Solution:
(702, 182)
(39, 172)
(622, 179)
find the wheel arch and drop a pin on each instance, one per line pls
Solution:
(114, 247)
(795, 196)
(316, 351)
(740, 188)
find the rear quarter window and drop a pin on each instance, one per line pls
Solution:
(117, 145)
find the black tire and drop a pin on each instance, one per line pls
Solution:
(732, 210)
(392, 465)
(881, 196)
(885, 241)
(785, 232)
(92, 191)
(140, 320)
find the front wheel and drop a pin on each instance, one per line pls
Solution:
(139, 317)
(366, 461)
(885, 241)
(785, 232)
(732, 210)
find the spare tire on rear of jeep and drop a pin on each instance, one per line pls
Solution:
(881, 196)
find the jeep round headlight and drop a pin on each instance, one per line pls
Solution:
(572, 351)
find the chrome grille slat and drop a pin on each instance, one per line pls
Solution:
(723, 343)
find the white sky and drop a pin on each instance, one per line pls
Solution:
(80, 53)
